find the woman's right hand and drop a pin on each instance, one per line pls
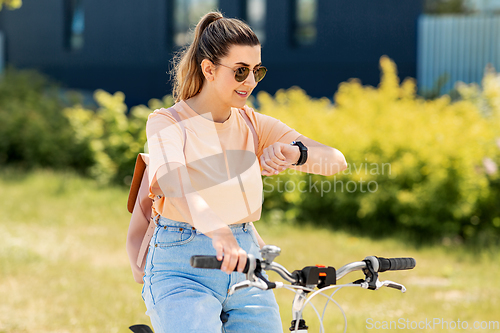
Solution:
(228, 249)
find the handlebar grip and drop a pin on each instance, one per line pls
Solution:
(395, 264)
(211, 262)
(205, 262)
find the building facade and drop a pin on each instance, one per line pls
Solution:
(127, 46)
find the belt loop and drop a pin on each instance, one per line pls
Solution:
(245, 224)
(157, 218)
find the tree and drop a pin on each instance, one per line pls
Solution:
(445, 6)
(11, 4)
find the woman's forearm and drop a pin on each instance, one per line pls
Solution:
(325, 161)
(321, 159)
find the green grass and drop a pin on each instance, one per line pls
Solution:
(64, 268)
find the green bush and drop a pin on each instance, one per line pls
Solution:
(430, 163)
(33, 131)
(113, 137)
(11, 4)
(422, 168)
(42, 127)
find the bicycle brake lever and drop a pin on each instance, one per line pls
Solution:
(240, 285)
(245, 284)
(378, 284)
(392, 284)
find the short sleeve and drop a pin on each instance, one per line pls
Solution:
(271, 130)
(165, 141)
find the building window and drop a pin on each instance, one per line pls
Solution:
(305, 16)
(256, 17)
(187, 14)
(74, 24)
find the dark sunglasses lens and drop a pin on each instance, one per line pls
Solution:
(241, 74)
(261, 72)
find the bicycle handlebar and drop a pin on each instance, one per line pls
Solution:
(308, 278)
(381, 265)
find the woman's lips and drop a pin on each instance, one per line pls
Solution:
(242, 93)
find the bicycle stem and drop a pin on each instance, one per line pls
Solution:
(297, 304)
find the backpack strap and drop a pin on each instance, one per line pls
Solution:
(181, 124)
(252, 129)
(147, 211)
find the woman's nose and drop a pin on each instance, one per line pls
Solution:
(250, 80)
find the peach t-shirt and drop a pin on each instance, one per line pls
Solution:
(219, 157)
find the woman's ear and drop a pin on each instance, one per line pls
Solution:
(208, 69)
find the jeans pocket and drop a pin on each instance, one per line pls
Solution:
(173, 236)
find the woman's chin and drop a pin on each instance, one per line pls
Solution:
(240, 102)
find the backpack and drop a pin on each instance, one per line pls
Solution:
(143, 223)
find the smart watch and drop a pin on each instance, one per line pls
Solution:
(303, 152)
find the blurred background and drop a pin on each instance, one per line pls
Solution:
(407, 90)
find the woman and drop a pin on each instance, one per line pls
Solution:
(205, 179)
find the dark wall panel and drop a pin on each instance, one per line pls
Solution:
(127, 44)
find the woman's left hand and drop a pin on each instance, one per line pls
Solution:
(278, 157)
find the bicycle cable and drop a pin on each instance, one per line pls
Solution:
(324, 309)
(320, 292)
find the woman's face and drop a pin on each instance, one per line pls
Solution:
(231, 92)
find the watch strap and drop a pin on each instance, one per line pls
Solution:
(303, 152)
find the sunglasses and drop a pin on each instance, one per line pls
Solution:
(241, 73)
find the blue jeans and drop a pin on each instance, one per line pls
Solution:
(180, 298)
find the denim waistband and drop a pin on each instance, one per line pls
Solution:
(165, 221)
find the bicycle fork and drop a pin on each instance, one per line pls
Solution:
(297, 304)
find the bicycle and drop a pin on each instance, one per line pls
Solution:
(305, 281)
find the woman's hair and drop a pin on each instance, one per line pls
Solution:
(213, 37)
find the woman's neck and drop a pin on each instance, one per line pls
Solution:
(203, 102)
